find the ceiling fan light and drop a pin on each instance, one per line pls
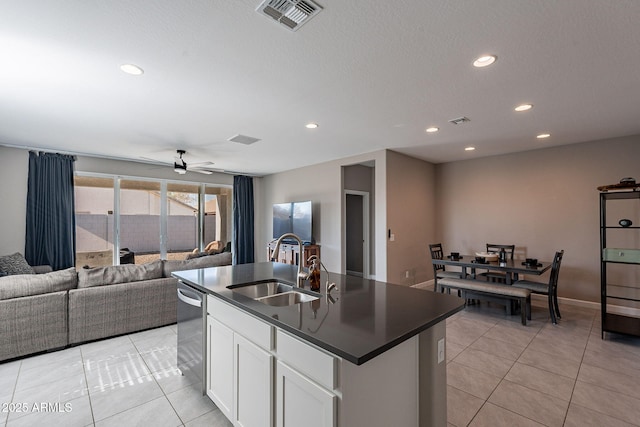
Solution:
(180, 168)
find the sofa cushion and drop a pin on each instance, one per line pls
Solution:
(119, 274)
(22, 285)
(202, 262)
(15, 264)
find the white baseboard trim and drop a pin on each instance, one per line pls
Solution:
(424, 285)
(629, 311)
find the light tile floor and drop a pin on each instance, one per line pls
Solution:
(499, 373)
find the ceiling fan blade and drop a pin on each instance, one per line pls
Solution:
(200, 164)
(202, 171)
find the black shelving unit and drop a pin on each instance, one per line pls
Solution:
(625, 291)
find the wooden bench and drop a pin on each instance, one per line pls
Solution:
(484, 290)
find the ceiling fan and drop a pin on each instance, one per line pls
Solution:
(180, 165)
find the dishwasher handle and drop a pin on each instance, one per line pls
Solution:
(182, 296)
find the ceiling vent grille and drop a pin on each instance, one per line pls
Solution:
(243, 139)
(292, 14)
(459, 120)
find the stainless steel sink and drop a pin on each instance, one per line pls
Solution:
(273, 293)
(261, 290)
(287, 298)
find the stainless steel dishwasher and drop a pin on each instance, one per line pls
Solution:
(192, 308)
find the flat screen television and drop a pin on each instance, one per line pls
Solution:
(293, 217)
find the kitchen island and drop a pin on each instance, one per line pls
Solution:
(367, 354)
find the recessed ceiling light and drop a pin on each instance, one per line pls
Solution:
(524, 107)
(484, 60)
(469, 148)
(134, 70)
(311, 125)
(432, 129)
(543, 135)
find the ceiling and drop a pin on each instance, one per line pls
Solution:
(372, 75)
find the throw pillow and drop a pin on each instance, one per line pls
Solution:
(15, 264)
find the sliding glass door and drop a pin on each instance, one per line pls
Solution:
(130, 220)
(95, 224)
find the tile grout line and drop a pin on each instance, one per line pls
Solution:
(503, 379)
(13, 393)
(86, 381)
(573, 389)
(158, 384)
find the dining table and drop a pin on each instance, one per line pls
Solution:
(512, 268)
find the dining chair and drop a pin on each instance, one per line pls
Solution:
(550, 289)
(439, 271)
(495, 276)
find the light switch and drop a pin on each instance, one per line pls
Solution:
(441, 350)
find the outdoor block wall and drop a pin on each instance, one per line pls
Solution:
(140, 233)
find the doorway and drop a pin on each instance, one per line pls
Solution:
(357, 233)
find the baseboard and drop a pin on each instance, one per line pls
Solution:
(569, 301)
(424, 285)
(628, 311)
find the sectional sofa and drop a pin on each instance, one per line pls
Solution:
(40, 312)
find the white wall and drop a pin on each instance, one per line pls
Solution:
(541, 201)
(323, 185)
(14, 167)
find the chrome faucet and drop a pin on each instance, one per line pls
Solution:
(328, 286)
(302, 275)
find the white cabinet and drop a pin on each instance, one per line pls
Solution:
(220, 366)
(253, 373)
(302, 402)
(239, 365)
(260, 375)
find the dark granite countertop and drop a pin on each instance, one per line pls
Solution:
(366, 318)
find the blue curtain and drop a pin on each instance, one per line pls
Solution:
(51, 223)
(242, 219)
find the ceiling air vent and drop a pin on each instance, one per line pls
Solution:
(292, 14)
(243, 139)
(459, 120)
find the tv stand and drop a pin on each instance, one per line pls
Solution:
(289, 253)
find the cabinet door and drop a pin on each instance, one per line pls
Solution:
(254, 370)
(220, 365)
(302, 402)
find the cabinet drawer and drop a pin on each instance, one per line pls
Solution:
(311, 361)
(252, 328)
(621, 255)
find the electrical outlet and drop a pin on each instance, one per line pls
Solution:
(407, 274)
(392, 237)
(441, 350)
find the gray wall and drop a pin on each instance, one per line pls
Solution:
(541, 201)
(411, 211)
(323, 184)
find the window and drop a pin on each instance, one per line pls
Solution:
(144, 219)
